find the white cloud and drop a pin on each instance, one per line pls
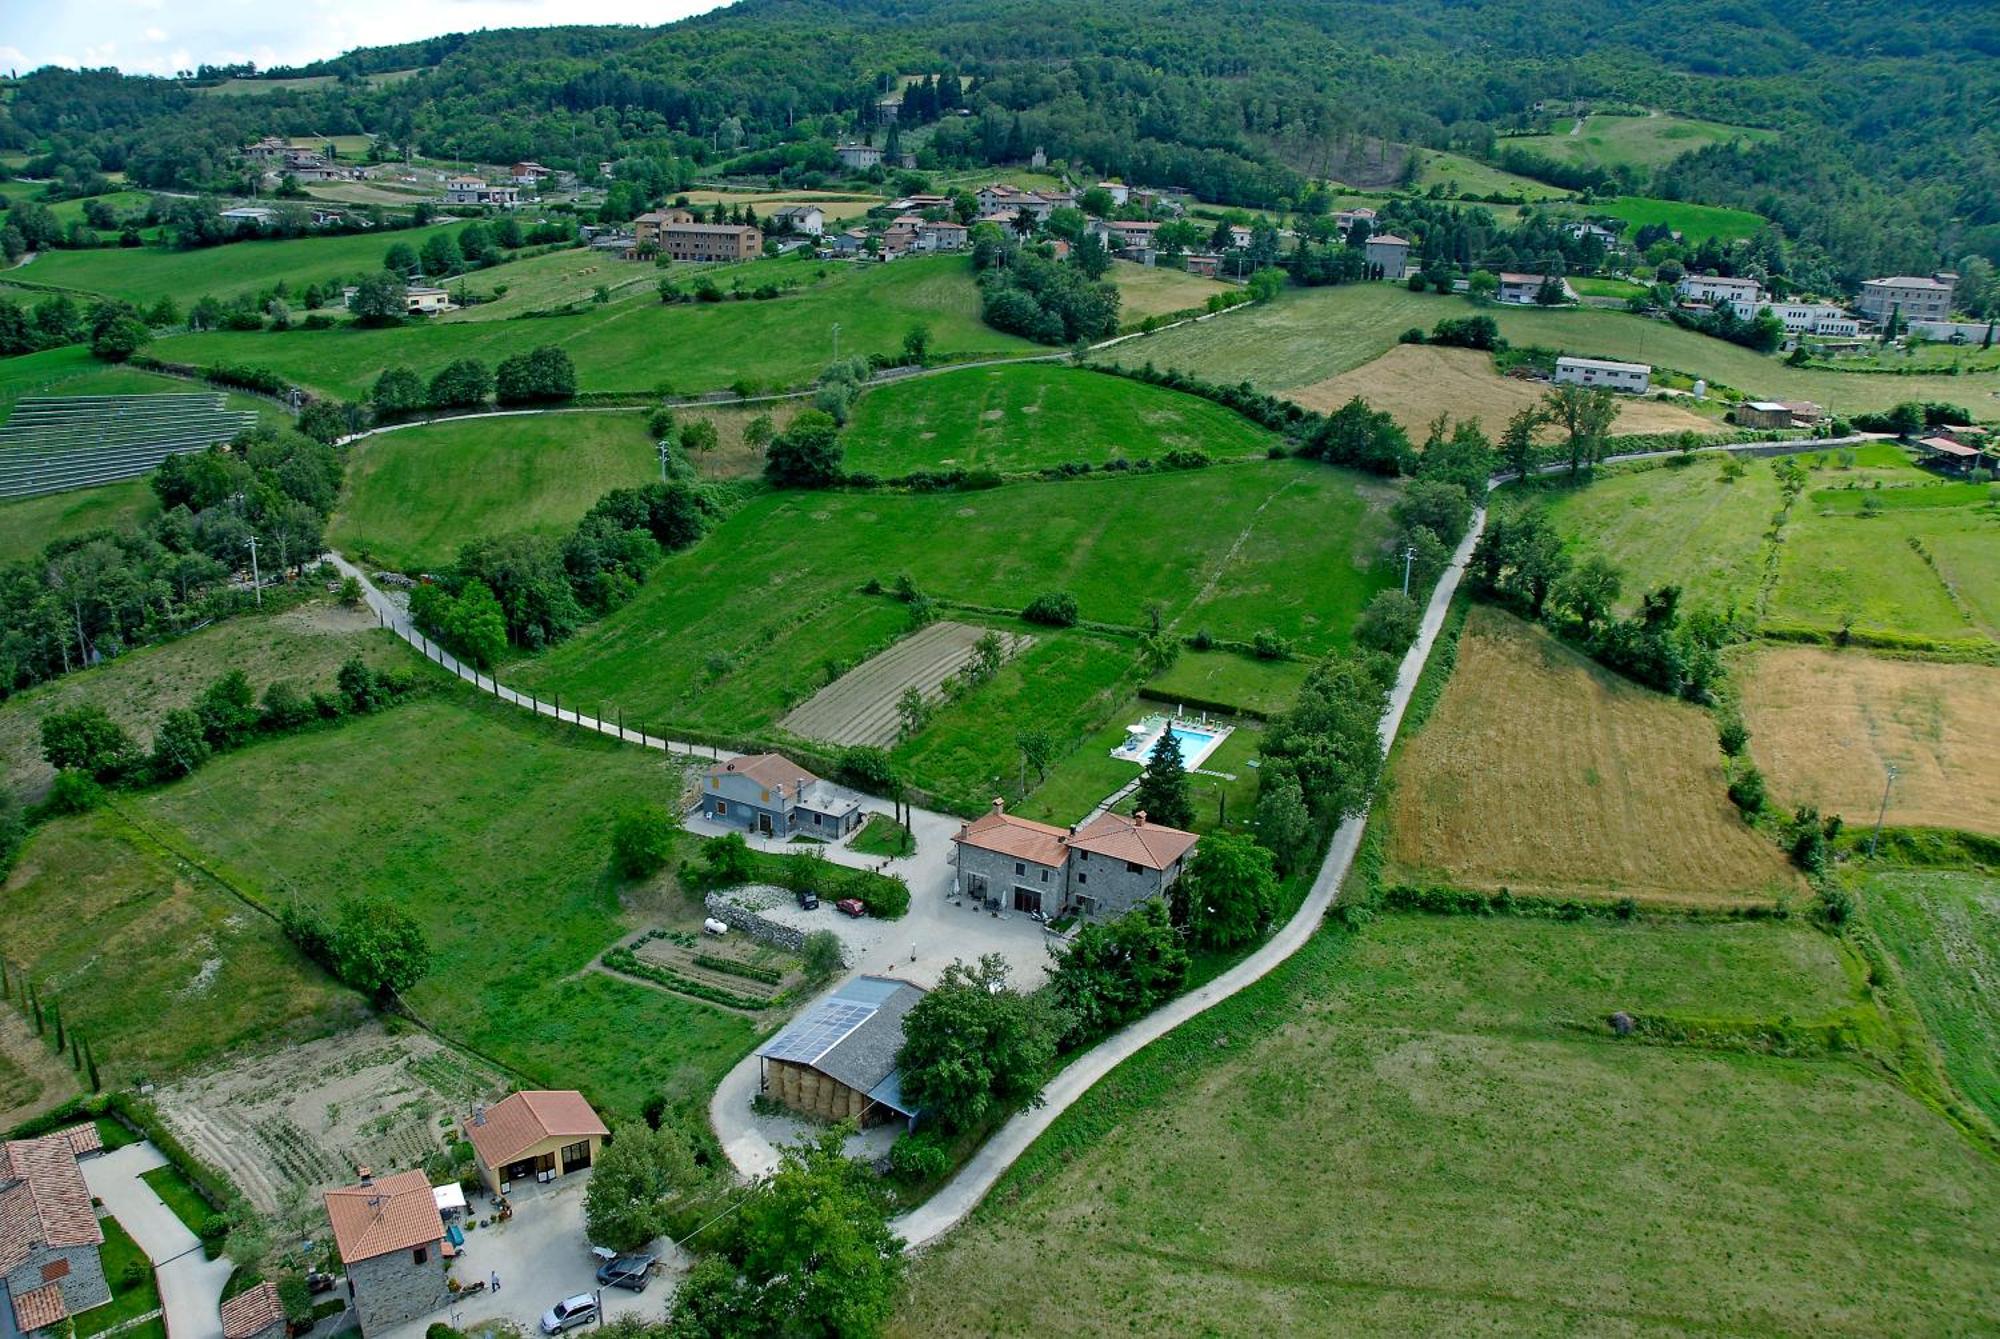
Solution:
(156, 34)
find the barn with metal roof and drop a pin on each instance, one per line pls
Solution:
(837, 1061)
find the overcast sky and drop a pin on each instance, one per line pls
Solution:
(162, 36)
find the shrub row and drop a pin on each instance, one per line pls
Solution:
(747, 970)
(1266, 411)
(1437, 900)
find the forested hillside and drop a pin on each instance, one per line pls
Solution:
(1886, 153)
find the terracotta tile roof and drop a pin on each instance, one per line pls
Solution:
(249, 1312)
(1388, 239)
(48, 1204)
(1022, 838)
(44, 1306)
(82, 1138)
(393, 1214)
(519, 1121)
(1120, 838)
(769, 770)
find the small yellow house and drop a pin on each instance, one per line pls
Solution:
(534, 1136)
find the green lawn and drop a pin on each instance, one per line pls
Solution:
(1591, 286)
(178, 1193)
(1159, 290)
(160, 968)
(883, 835)
(727, 636)
(1308, 335)
(128, 1301)
(1862, 570)
(27, 525)
(1633, 141)
(1696, 223)
(487, 826)
(1284, 1163)
(1035, 415)
(639, 345)
(144, 275)
(414, 495)
(1468, 176)
(1943, 927)
(1230, 679)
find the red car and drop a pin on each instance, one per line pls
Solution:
(851, 906)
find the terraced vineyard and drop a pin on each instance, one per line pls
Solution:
(860, 706)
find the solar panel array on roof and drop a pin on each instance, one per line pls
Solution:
(818, 1032)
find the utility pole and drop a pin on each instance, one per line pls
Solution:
(1881, 813)
(666, 448)
(256, 581)
(1409, 557)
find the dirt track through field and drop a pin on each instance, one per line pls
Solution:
(1826, 726)
(860, 706)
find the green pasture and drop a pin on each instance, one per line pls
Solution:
(144, 275)
(1593, 286)
(414, 495)
(488, 827)
(1230, 679)
(28, 525)
(1471, 177)
(1305, 336)
(1633, 141)
(1034, 415)
(1190, 1185)
(1695, 222)
(639, 345)
(1943, 927)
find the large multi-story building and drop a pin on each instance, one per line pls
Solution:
(1913, 297)
(1717, 289)
(1600, 372)
(1105, 867)
(709, 241)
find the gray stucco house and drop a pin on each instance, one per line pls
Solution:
(49, 1235)
(390, 1237)
(1103, 868)
(768, 793)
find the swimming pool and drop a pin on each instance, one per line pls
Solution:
(1195, 742)
(1195, 745)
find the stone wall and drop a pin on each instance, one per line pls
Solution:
(82, 1286)
(393, 1288)
(787, 937)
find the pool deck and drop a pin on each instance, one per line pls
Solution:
(1138, 748)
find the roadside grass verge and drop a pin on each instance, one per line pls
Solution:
(178, 1193)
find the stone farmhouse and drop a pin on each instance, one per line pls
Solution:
(1390, 252)
(537, 1135)
(858, 157)
(255, 1314)
(1102, 868)
(837, 1061)
(1915, 297)
(50, 1268)
(390, 1237)
(769, 794)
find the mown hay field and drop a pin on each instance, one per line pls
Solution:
(1542, 773)
(1825, 726)
(1417, 382)
(1283, 1163)
(1943, 926)
(1156, 290)
(1034, 415)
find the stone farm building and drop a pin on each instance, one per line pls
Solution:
(837, 1061)
(534, 1135)
(770, 794)
(1104, 868)
(49, 1236)
(390, 1237)
(1913, 297)
(254, 1314)
(1388, 252)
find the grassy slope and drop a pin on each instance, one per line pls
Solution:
(1697, 223)
(28, 524)
(1636, 141)
(1283, 1164)
(71, 370)
(1309, 335)
(488, 828)
(160, 968)
(1035, 415)
(638, 344)
(415, 495)
(304, 645)
(1156, 290)
(146, 274)
(1472, 177)
(1944, 929)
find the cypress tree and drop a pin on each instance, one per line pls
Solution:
(55, 1015)
(90, 1064)
(75, 1051)
(1164, 794)
(35, 1007)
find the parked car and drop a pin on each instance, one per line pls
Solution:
(626, 1271)
(808, 900)
(851, 906)
(569, 1313)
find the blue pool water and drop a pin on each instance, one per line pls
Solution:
(1193, 744)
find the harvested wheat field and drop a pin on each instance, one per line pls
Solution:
(1542, 773)
(860, 706)
(1417, 382)
(1826, 725)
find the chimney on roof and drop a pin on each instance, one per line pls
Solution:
(367, 1176)
(479, 1113)
(999, 805)
(1139, 819)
